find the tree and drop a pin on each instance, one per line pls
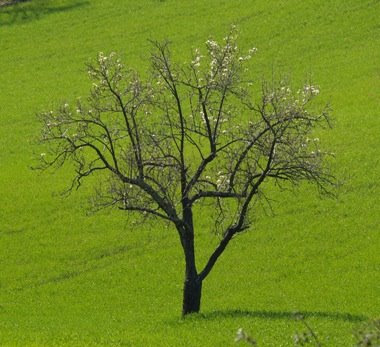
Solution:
(188, 134)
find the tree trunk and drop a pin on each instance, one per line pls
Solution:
(192, 291)
(192, 288)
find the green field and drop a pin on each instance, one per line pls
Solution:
(71, 278)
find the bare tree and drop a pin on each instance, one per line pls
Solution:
(189, 134)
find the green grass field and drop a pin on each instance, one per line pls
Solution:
(69, 278)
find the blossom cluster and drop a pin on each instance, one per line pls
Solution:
(223, 181)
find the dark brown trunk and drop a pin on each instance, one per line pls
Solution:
(192, 292)
(192, 288)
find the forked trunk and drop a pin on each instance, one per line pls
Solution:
(192, 292)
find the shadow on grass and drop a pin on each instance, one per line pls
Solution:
(25, 11)
(273, 315)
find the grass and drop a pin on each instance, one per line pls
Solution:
(72, 279)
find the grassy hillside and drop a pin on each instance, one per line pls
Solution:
(68, 278)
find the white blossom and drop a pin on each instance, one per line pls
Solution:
(253, 50)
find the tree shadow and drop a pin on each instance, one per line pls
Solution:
(26, 11)
(278, 315)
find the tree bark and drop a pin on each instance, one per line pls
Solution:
(192, 288)
(192, 292)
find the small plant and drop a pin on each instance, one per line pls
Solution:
(369, 334)
(305, 337)
(302, 338)
(10, 2)
(241, 335)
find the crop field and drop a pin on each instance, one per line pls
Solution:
(70, 277)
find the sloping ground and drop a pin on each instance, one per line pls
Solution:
(71, 279)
